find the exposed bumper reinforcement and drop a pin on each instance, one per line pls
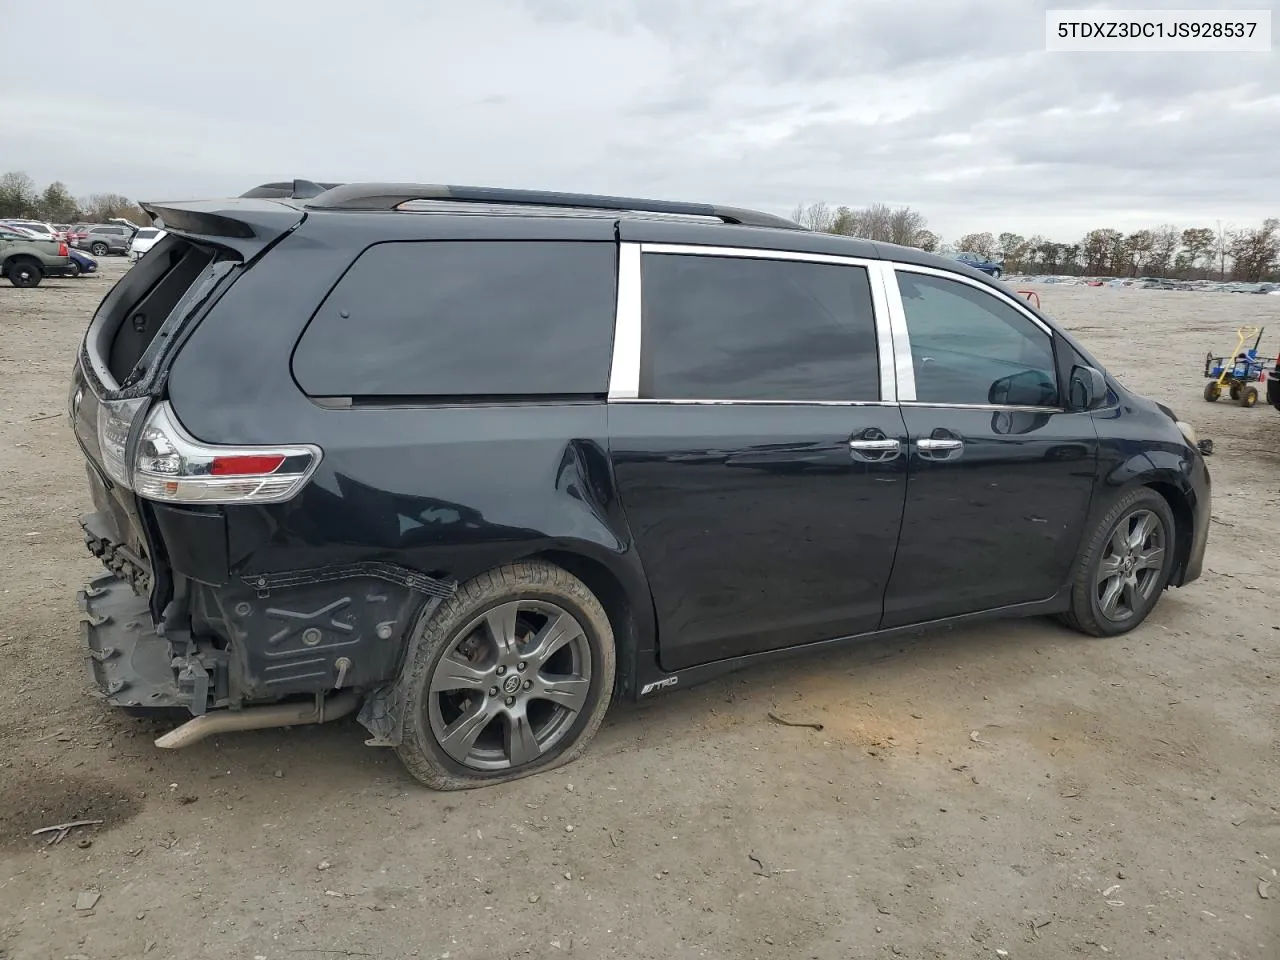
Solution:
(129, 662)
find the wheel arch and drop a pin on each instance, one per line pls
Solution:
(1179, 501)
(626, 602)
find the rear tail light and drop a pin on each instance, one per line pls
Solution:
(62, 249)
(170, 465)
(115, 420)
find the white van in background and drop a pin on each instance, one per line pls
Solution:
(144, 240)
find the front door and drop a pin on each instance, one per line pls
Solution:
(757, 448)
(1000, 473)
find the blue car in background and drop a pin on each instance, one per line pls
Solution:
(81, 263)
(989, 267)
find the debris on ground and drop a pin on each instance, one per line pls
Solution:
(60, 830)
(1264, 889)
(88, 899)
(762, 868)
(812, 724)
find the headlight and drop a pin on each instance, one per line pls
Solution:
(1189, 433)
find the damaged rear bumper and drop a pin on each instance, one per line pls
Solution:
(130, 662)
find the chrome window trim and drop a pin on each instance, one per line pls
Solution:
(624, 373)
(760, 403)
(902, 335)
(624, 377)
(1008, 408)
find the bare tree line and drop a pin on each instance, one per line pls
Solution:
(21, 198)
(1245, 253)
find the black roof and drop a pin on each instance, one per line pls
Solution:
(638, 220)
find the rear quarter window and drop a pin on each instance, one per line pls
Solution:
(465, 319)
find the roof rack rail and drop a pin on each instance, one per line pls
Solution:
(289, 190)
(389, 196)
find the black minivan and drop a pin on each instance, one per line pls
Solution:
(474, 462)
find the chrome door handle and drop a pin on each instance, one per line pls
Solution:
(939, 448)
(875, 451)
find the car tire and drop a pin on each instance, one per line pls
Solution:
(477, 711)
(25, 273)
(99, 249)
(995, 274)
(1113, 559)
(73, 270)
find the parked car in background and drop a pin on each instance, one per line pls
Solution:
(990, 267)
(81, 263)
(632, 450)
(38, 229)
(144, 240)
(26, 260)
(104, 238)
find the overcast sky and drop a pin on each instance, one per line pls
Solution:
(950, 106)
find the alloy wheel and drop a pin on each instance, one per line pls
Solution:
(510, 686)
(1131, 566)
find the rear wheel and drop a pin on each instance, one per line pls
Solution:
(1125, 566)
(99, 249)
(995, 274)
(1235, 391)
(510, 677)
(1248, 397)
(1212, 390)
(25, 273)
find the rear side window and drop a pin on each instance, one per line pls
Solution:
(145, 234)
(729, 328)
(468, 319)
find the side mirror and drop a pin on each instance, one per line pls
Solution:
(1030, 388)
(1088, 388)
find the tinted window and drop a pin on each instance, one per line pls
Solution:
(965, 344)
(465, 319)
(721, 328)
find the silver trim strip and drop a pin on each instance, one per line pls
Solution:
(760, 403)
(755, 253)
(879, 276)
(624, 375)
(904, 367)
(1009, 408)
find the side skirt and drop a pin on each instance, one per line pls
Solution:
(651, 679)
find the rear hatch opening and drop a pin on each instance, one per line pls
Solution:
(119, 377)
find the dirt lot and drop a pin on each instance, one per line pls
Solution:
(1010, 790)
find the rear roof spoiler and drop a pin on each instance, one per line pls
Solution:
(389, 196)
(247, 226)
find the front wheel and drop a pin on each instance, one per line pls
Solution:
(1248, 397)
(73, 270)
(995, 274)
(511, 676)
(1212, 390)
(1125, 566)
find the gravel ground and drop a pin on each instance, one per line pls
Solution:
(1006, 790)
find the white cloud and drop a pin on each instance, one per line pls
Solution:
(952, 107)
